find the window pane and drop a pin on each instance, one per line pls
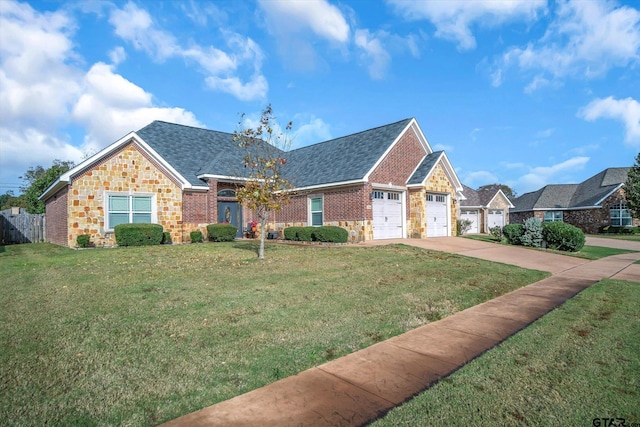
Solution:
(316, 204)
(142, 204)
(548, 216)
(118, 203)
(141, 217)
(626, 221)
(118, 218)
(316, 218)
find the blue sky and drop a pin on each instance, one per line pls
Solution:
(520, 93)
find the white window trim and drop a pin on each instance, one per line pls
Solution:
(154, 207)
(554, 216)
(620, 207)
(310, 213)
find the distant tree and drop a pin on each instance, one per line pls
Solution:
(8, 200)
(632, 189)
(37, 180)
(266, 190)
(493, 188)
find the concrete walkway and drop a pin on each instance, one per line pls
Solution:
(362, 386)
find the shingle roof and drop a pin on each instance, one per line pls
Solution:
(472, 197)
(342, 159)
(570, 196)
(425, 167)
(194, 151)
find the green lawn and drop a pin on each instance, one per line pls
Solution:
(138, 336)
(578, 363)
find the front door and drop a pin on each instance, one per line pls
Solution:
(231, 212)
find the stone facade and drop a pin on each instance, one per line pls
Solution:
(127, 171)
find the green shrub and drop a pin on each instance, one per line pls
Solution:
(196, 236)
(83, 241)
(532, 235)
(305, 234)
(166, 238)
(221, 232)
(513, 232)
(462, 226)
(138, 234)
(330, 233)
(610, 229)
(562, 236)
(291, 233)
(496, 232)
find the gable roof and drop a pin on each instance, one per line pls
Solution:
(480, 199)
(344, 159)
(194, 155)
(588, 194)
(427, 166)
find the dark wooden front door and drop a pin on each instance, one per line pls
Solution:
(231, 212)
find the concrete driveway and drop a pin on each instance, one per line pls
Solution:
(514, 255)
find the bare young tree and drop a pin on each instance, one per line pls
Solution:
(266, 189)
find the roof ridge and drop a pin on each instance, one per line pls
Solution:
(187, 126)
(350, 135)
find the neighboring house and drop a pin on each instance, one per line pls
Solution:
(591, 205)
(381, 183)
(484, 209)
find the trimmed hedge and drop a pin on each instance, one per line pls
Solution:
(138, 234)
(291, 233)
(196, 236)
(326, 233)
(330, 233)
(166, 238)
(513, 232)
(305, 234)
(221, 232)
(83, 241)
(562, 236)
(612, 229)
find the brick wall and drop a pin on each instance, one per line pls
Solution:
(126, 170)
(56, 218)
(398, 165)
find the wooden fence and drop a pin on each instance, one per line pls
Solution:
(18, 226)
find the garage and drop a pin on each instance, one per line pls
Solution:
(471, 215)
(437, 219)
(496, 218)
(387, 215)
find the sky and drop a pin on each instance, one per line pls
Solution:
(518, 93)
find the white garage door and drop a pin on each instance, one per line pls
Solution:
(496, 218)
(437, 221)
(387, 215)
(471, 215)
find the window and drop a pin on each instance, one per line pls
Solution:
(551, 216)
(393, 196)
(378, 195)
(226, 193)
(124, 209)
(440, 198)
(620, 215)
(316, 211)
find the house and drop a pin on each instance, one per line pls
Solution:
(485, 209)
(381, 183)
(591, 205)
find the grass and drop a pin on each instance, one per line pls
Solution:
(632, 237)
(138, 336)
(587, 252)
(577, 363)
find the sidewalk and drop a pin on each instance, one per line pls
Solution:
(362, 386)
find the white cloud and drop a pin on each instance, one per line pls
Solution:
(318, 16)
(222, 69)
(546, 133)
(36, 84)
(117, 55)
(122, 106)
(443, 147)
(539, 176)
(587, 38)
(43, 88)
(373, 53)
(479, 178)
(625, 110)
(309, 130)
(453, 18)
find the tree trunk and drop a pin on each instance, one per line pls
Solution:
(262, 233)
